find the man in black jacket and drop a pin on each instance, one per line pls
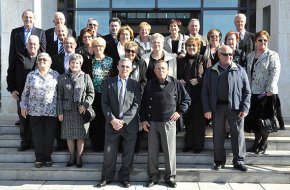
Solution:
(51, 34)
(17, 71)
(163, 101)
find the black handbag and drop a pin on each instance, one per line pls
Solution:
(270, 124)
(89, 115)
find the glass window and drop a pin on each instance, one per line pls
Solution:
(178, 4)
(133, 4)
(92, 4)
(221, 3)
(101, 16)
(222, 20)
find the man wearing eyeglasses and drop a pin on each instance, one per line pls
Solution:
(226, 95)
(94, 25)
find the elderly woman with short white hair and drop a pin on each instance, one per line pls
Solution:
(75, 94)
(38, 102)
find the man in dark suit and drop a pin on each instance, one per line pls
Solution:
(120, 103)
(60, 63)
(246, 43)
(51, 34)
(112, 41)
(19, 36)
(57, 47)
(17, 71)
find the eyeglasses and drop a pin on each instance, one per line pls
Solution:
(95, 46)
(213, 36)
(42, 59)
(226, 54)
(93, 24)
(261, 40)
(191, 45)
(130, 51)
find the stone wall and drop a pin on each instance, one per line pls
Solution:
(11, 12)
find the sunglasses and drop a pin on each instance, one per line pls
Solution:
(261, 40)
(226, 54)
(130, 51)
(93, 25)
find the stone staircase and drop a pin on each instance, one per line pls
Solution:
(272, 167)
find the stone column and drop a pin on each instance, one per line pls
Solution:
(10, 15)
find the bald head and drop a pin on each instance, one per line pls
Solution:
(61, 31)
(225, 54)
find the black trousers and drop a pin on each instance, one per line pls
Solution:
(25, 129)
(97, 126)
(43, 130)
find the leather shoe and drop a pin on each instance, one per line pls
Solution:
(241, 167)
(171, 184)
(17, 122)
(218, 166)
(103, 183)
(151, 183)
(38, 164)
(23, 148)
(186, 149)
(126, 184)
(48, 164)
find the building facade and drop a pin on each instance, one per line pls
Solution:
(271, 15)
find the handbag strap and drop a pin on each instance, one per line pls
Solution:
(85, 82)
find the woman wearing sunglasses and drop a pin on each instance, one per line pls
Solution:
(263, 69)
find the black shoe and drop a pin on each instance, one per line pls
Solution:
(125, 184)
(103, 183)
(197, 151)
(262, 149)
(70, 162)
(17, 122)
(282, 128)
(227, 136)
(241, 167)
(151, 183)
(186, 149)
(79, 163)
(253, 149)
(23, 148)
(218, 166)
(38, 164)
(170, 183)
(48, 164)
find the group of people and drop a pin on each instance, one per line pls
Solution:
(148, 82)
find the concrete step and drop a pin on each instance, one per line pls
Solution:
(14, 130)
(274, 143)
(185, 172)
(11, 155)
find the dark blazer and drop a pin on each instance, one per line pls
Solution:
(17, 72)
(58, 63)
(17, 43)
(49, 33)
(112, 51)
(52, 48)
(110, 103)
(248, 43)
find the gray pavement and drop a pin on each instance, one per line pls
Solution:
(89, 185)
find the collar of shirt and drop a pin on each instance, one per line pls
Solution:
(223, 66)
(242, 34)
(54, 36)
(167, 80)
(120, 83)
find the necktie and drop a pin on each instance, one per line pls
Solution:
(240, 42)
(121, 97)
(61, 50)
